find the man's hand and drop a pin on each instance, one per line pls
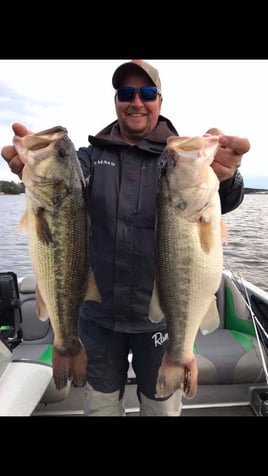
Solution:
(229, 156)
(9, 152)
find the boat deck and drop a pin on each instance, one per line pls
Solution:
(231, 401)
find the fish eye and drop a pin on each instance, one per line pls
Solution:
(167, 162)
(182, 205)
(170, 162)
(62, 152)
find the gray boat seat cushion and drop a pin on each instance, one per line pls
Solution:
(227, 357)
(231, 354)
(32, 327)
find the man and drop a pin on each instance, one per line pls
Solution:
(123, 164)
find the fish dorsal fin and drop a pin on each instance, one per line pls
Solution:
(41, 308)
(211, 320)
(92, 293)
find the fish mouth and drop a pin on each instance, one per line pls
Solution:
(52, 130)
(43, 139)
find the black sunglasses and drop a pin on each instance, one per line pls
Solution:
(146, 93)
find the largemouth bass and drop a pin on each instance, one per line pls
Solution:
(189, 257)
(58, 227)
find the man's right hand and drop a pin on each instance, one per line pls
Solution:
(9, 152)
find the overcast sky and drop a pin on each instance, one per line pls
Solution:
(197, 95)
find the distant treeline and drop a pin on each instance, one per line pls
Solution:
(255, 190)
(11, 188)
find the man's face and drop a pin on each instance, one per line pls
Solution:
(137, 118)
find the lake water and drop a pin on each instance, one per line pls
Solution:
(13, 244)
(245, 253)
(246, 250)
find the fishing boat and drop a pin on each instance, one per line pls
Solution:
(232, 361)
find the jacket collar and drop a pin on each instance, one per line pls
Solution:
(154, 142)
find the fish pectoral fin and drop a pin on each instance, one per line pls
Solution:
(155, 312)
(224, 233)
(42, 227)
(206, 235)
(23, 223)
(92, 292)
(211, 320)
(41, 308)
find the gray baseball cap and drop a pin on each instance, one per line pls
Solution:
(135, 65)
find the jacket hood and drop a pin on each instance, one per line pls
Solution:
(111, 134)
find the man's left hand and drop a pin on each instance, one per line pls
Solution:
(229, 156)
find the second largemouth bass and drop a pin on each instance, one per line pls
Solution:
(189, 256)
(58, 224)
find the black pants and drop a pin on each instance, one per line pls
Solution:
(108, 364)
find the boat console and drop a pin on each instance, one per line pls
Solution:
(10, 310)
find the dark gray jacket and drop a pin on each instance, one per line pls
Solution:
(121, 194)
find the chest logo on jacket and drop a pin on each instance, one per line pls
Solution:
(104, 162)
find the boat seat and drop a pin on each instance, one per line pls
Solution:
(34, 330)
(37, 344)
(231, 354)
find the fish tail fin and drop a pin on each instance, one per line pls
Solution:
(69, 366)
(79, 368)
(173, 375)
(61, 363)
